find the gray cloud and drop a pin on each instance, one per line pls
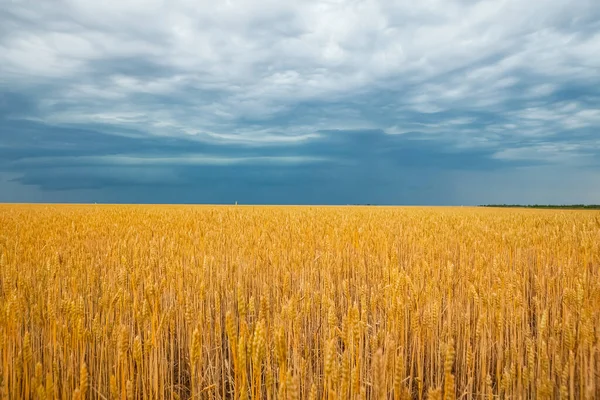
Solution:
(277, 96)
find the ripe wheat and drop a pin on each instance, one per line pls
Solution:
(128, 302)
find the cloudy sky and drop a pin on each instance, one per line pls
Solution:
(308, 101)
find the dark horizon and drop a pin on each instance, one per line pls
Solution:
(531, 206)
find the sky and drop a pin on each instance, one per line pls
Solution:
(435, 102)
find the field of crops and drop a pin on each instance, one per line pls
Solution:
(124, 302)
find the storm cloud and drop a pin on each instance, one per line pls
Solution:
(436, 102)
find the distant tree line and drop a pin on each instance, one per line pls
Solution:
(562, 206)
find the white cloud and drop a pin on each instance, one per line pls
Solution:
(178, 160)
(562, 153)
(241, 69)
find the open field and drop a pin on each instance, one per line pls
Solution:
(298, 302)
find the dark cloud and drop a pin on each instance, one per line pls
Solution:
(335, 167)
(299, 102)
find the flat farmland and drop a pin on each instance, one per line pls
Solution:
(249, 302)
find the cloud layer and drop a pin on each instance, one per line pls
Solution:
(455, 102)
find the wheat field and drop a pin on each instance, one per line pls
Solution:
(225, 302)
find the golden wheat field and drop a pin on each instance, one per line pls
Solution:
(224, 302)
